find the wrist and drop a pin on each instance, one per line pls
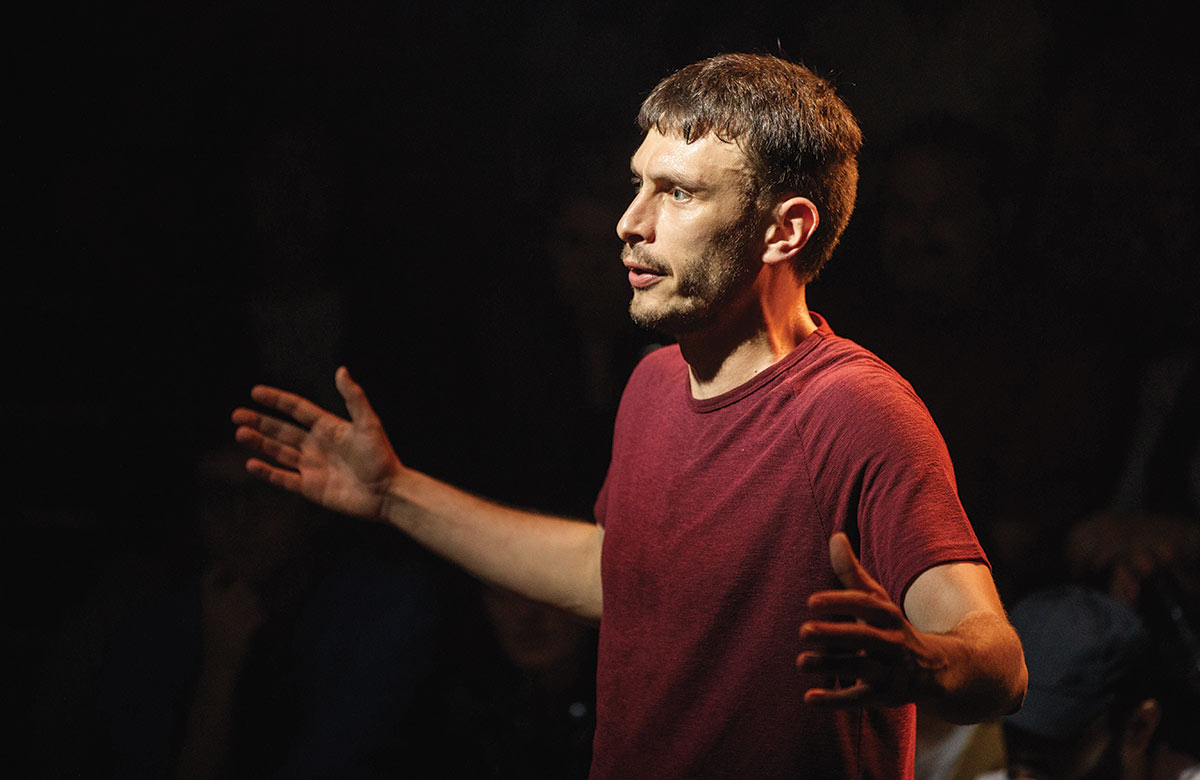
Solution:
(396, 498)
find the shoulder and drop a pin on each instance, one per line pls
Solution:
(659, 361)
(860, 424)
(656, 369)
(843, 382)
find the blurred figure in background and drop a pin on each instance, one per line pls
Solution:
(1151, 564)
(1143, 548)
(519, 703)
(1094, 708)
(294, 649)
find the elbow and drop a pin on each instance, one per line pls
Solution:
(1009, 681)
(991, 682)
(1019, 684)
(588, 609)
(1010, 678)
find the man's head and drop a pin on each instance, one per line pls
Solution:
(1090, 711)
(797, 136)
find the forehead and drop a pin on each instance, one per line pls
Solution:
(707, 160)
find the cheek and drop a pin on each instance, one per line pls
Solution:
(682, 228)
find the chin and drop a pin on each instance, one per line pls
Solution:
(673, 321)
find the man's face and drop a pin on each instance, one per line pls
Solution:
(691, 234)
(1091, 755)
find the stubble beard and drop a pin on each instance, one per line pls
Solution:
(704, 285)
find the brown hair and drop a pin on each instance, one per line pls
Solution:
(798, 136)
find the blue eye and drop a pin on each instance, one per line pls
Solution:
(679, 195)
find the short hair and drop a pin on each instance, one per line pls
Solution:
(798, 136)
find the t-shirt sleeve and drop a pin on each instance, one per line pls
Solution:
(882, 474)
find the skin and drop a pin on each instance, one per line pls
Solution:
(721, 280)
(687, 229)
(349, 466)
(736, 308)
(951, 649)
(1098, 751)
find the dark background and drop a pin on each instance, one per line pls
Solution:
(200, 197)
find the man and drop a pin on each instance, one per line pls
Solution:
(1093, 710)
(750, 462)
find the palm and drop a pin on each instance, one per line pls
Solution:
(344, 465)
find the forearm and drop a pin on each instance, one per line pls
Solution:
(549, 559)
(976, 662)
(349, 466)
(204, 747)
(981, 672)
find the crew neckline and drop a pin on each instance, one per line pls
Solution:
(762, 378)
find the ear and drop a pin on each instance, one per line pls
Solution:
(792, 223)
(1139, 731)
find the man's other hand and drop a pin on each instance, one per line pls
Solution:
(344, 465)
(861, 639)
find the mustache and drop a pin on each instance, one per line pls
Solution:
(636, 255)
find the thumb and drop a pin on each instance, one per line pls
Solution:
(846, 566)
(356, 400)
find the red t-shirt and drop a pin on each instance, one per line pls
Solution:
(717, 515)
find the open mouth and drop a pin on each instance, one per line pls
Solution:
(640, 274)
(641, 277)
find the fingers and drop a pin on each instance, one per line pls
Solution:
(851, 667)
(850, 679)
(270, 427)
(268, 436)
(299, 409)
(829, 633)
(853, 696)
(288, 480)
(285, 455)
(867, 645)
(868, 607)
(863, 610)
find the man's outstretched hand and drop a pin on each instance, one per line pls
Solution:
(882, 658)
(344, 465)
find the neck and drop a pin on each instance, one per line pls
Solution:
(754, 333)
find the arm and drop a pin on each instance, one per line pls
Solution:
(951, 649)
(349, 466)
(232, 613)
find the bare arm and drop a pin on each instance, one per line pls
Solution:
(549, 559)
(232, 614)
(984, 674)
(951, 649)
(349, 466)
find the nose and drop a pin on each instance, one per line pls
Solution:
(636, 224)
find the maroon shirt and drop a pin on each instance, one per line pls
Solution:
(717, 516)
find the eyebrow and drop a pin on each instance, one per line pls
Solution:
(674, 176)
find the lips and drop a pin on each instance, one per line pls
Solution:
(641, 274)
(641, 278)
